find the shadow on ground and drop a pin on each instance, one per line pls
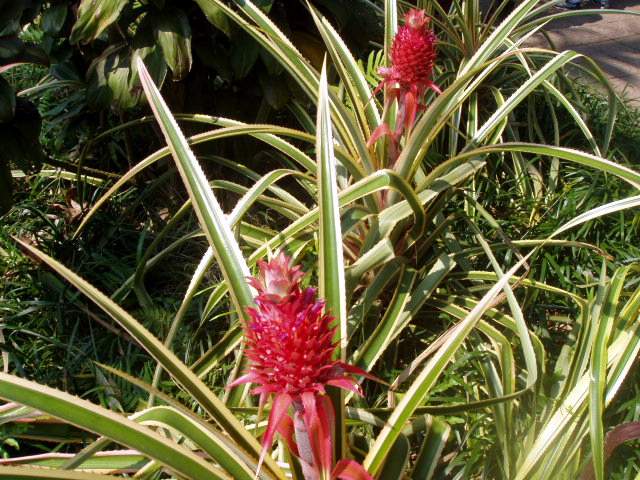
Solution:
(591, 17)
(612, 40)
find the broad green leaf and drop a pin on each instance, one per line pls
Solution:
(173, 35)
(216, 16)
(108, 79)
(145, 48)
(53, 18)
(112, 78)
(244, 54)
(94, 16)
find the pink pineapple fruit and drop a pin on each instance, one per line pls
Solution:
(289, 343)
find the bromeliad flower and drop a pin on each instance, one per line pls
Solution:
(289, 342)
(277, 278)
(413, 54)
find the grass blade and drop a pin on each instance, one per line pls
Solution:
(434, 441)
(25, 473)
(210, 403)
(330, 256)
(210, 214)
(211, 442)
(355, 82)
(101, 421)
(598, 368)
(429, 375)
(387, 328)
(576, 156)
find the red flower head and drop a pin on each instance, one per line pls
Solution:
(413, 54)
(289, 343)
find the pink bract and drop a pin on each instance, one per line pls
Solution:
(277, 278)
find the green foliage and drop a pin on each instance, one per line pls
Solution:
(473, 273)
(173, 34)
(93, 18)
(19, 119)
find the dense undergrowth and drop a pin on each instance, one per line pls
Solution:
(142, 247)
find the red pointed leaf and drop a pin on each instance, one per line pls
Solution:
(381, 131)
(411, 107)
(358, 371)
(246, 378)
(350, 470)
(317, 423)
(346, 384)
(281, 404)
(286, 431)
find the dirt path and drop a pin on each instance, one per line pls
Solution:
(612, 40)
